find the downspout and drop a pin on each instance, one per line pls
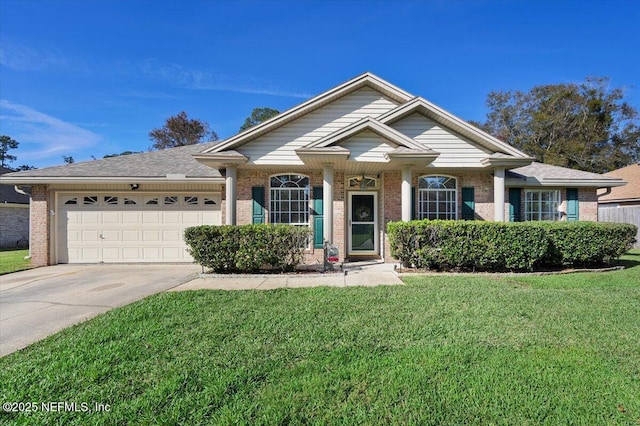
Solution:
(20, 191)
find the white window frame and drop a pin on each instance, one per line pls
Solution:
(303, 195)
(536, 210)
(450, 196)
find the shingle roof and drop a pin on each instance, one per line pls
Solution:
(147, 164)
(543, 171)
(631, 191)
(8, 194)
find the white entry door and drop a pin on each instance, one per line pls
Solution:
(126, 227)
(363, 223)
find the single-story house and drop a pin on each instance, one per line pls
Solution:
(344, 163)
(14, 216)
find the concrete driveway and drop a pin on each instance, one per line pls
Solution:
(39, 302)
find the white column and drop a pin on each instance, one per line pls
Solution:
(231, 193)
(406, 194)
(327, 202)
(498, 195)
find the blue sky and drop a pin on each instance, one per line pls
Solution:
(85, 78)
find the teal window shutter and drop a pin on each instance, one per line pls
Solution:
(413, 203)
(257, 195)
(318, 218)
(468, 204)
(573, 205)
(514, 205)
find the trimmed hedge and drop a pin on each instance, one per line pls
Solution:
(496, 246)
(247, 248)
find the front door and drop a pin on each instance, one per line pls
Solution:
(363, 223)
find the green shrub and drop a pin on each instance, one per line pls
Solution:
(495, 246)
(587, 243)
(247, 248)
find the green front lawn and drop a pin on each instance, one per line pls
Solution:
(440, 350)
(13, 261)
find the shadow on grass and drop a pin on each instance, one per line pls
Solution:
(630, 260)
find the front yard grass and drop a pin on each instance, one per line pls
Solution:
(560, 349)
(13, 261)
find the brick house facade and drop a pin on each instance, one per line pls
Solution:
(345, 163)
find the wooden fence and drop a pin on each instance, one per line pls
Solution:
(630, 214)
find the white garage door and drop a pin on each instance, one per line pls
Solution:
(122, 227)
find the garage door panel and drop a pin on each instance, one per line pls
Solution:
(89, 235)
(151, 217)
(111, 254)
(152, 235)
(90, 218)
(172, 235)
(151, 253)
(131, 254)
(132, 217)
(131, 235)
(111, 217)
(191, 218)
(171, 218)
(110, 230)
(172, 254)
(110, 235)
(90, 254)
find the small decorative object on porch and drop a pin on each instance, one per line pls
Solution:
(331, 255)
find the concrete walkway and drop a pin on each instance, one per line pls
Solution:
(366, 274)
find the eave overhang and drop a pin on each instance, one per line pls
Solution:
(566, 182)
(44, 180)
(506, 162)
(220, 160)
(450, 121)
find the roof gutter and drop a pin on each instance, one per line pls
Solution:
(35, 180)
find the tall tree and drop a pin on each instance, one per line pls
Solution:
(7, 144)
(587, 126)
(68, 159)
(179, 130)
(258, 115)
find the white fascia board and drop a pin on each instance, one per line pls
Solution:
(452, 121)
(105, 180)
(371, 124)
(591, 183)
(310, 105)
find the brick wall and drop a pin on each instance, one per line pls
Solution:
(392, 205)
(40, 225)
(483, 194)
(14, 226)
(588, 204)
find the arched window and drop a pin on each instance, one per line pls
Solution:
(437, 197)
(289, 199)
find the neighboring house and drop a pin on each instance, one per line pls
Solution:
(622, 204)
(344, 163)
(14, 216)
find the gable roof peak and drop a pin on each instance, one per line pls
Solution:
(366, 79)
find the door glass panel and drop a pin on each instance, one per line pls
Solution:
(362, 237)
(362, 208)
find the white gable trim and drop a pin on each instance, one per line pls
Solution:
(367, 123)
(364, 80)
(440, 116)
